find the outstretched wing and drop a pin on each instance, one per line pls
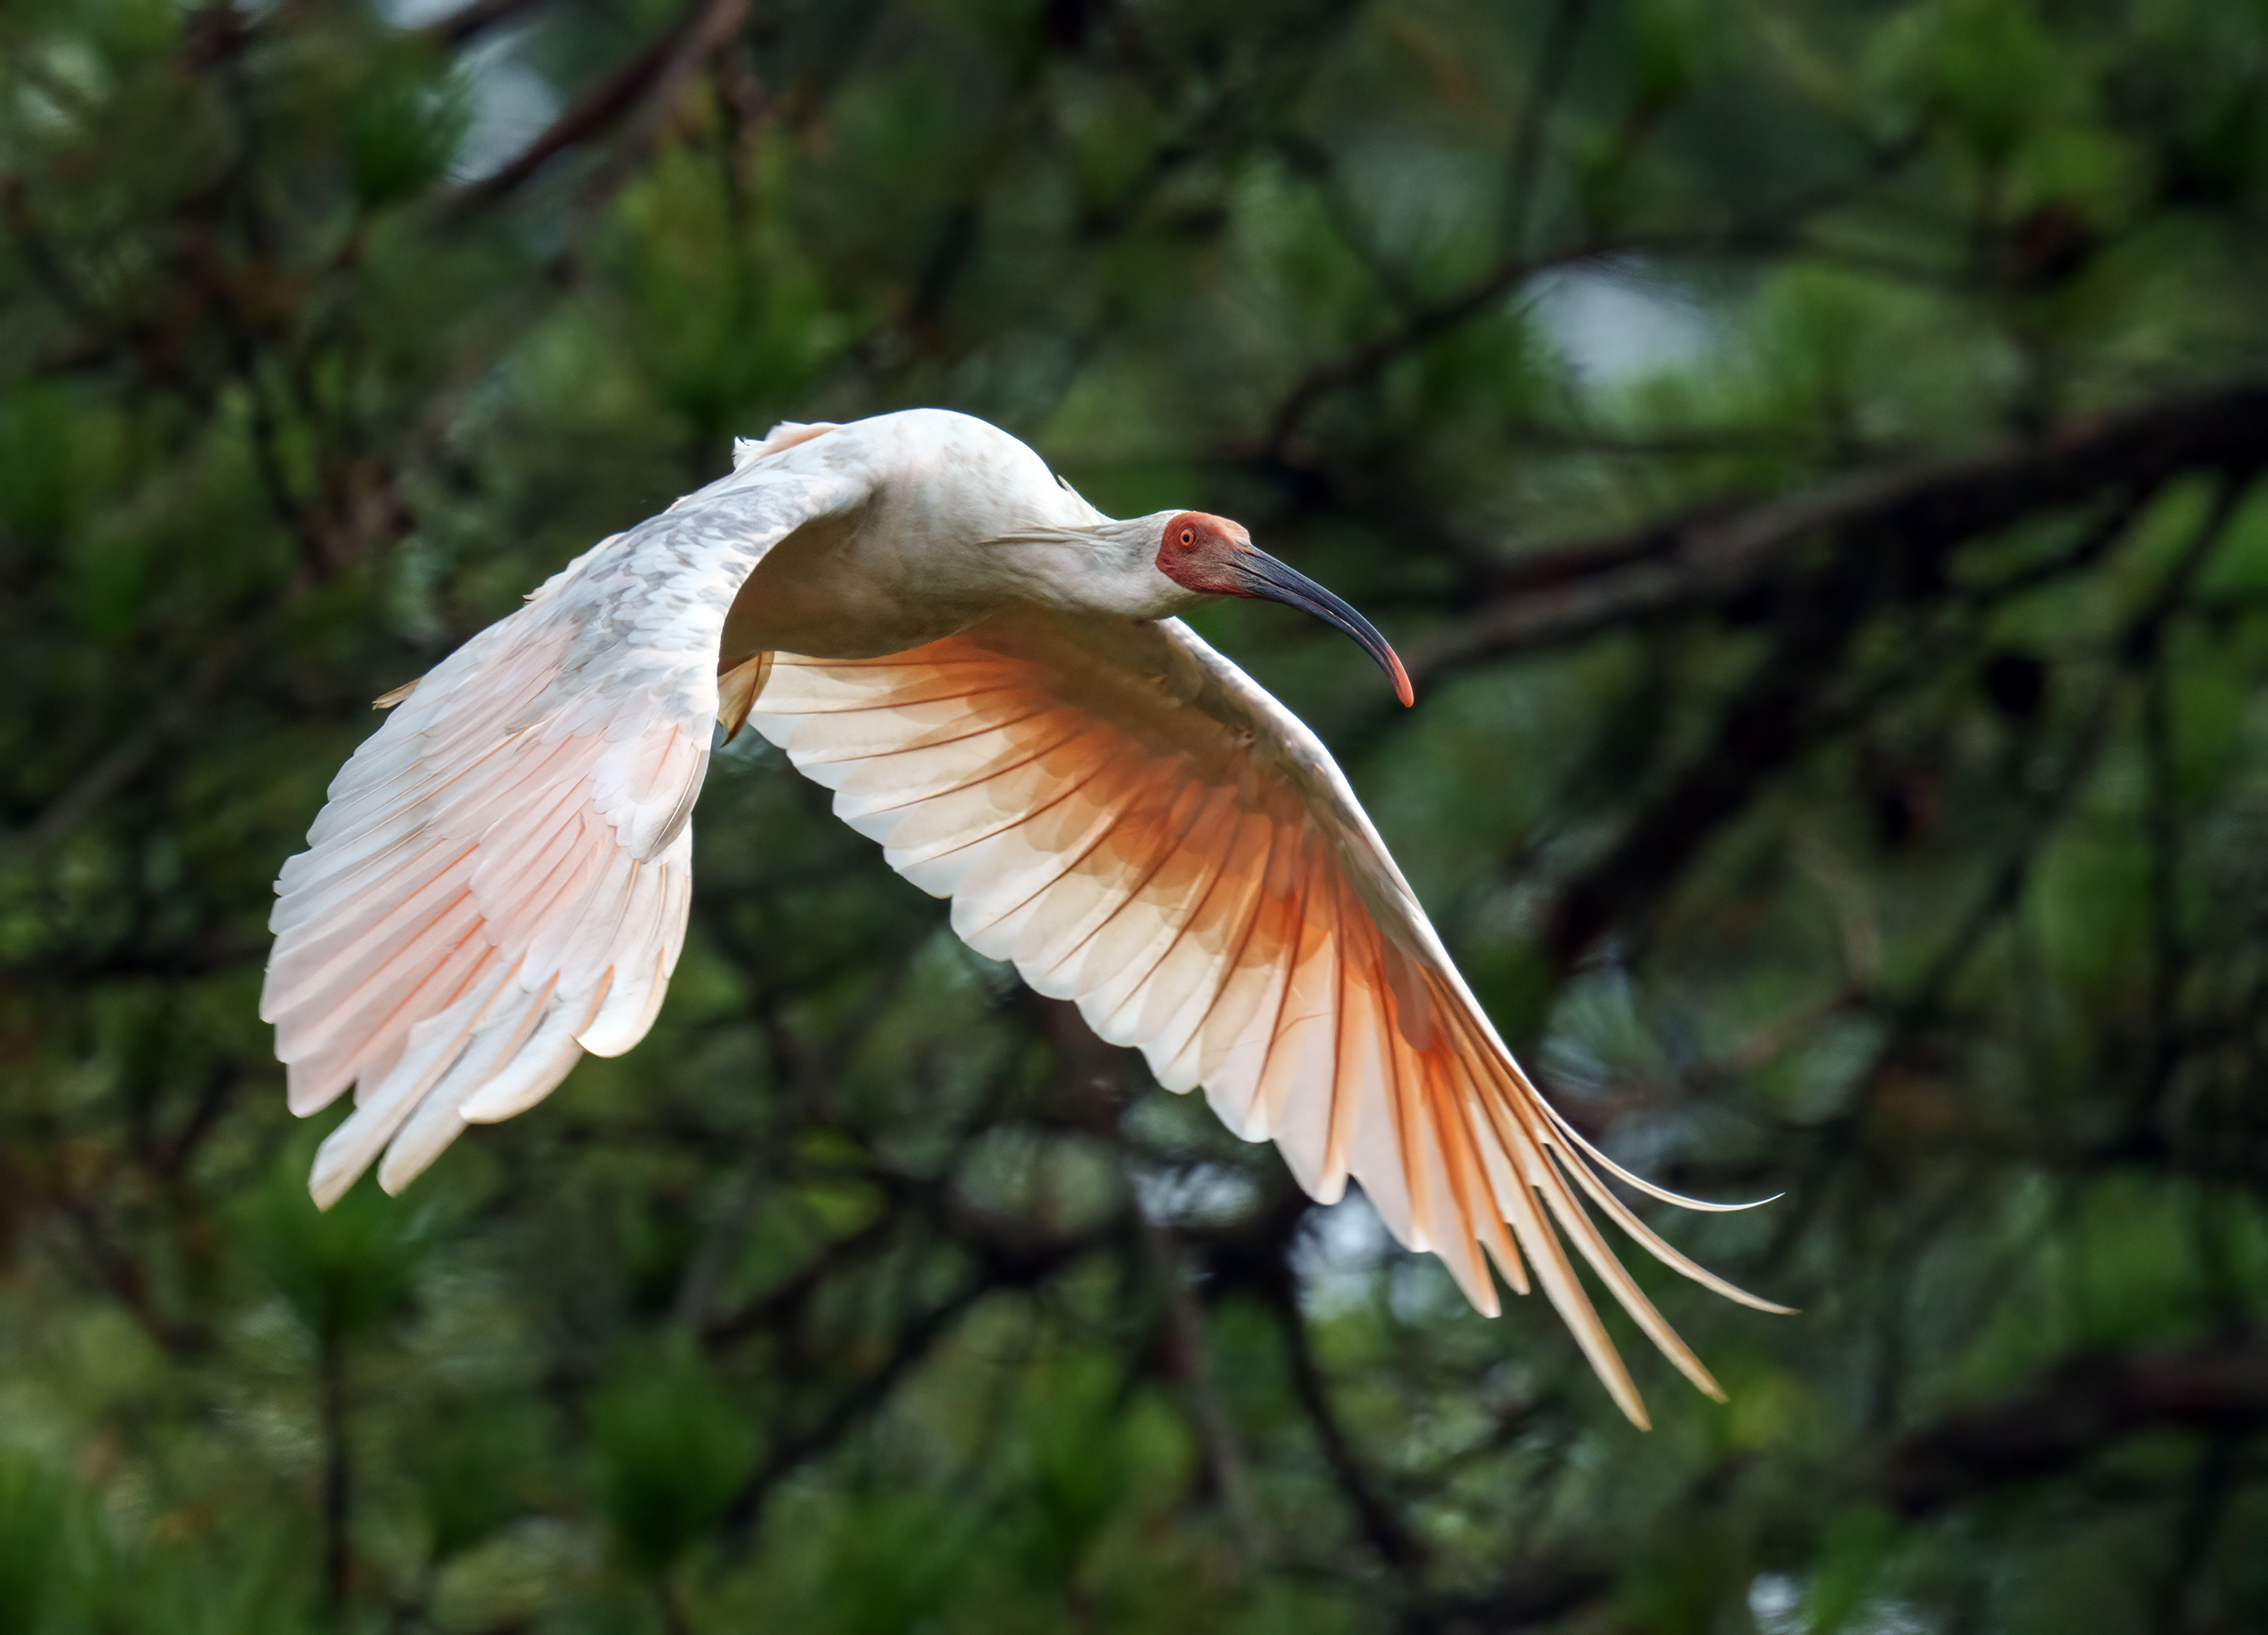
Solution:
(1123, 814)
(500, 880)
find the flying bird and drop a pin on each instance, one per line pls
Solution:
(990, 675)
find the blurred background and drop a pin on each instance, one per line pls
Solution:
(1808, 450)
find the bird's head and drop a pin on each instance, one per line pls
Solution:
(1214, 556)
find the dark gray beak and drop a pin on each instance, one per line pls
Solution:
(1261, 575)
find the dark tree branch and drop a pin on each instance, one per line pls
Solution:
(1706, 556)
(1397, 1546)
(797, 1447)
(1533, 1594)
(2138, 646)
(467, 23)
(219, 1088)
(121, 1271)
(1775, 716)
(1189, 1360)
(1554, 56)
(1095, 1075)
(2074, 1411)
(782, 1304)
(125, 761)
(1889, 547)
(1311, 160)
(2219, 1479)
(709, 29)
(338, 1474)
(655, 74)
(1003, 1264)
(1367, 362)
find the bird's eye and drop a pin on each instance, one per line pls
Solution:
(1188, 537)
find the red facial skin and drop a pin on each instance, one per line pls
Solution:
(1199, 551)
(1216, 558)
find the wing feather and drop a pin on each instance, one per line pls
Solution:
(1230, 1048)
(1097, 879)
(1116, 809)
(1188, 981)
(1377, 1149)
(1121, 924)
(501, 877)
(1139, 935)
(1040, 900)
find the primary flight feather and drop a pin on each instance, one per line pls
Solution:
(989, 673)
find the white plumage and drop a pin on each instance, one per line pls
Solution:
(988, 673)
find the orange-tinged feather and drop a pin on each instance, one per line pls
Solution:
(1115, 809)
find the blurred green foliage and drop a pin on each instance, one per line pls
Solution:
(1807, 449)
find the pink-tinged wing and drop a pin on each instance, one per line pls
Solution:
(1141, 830)
(500, 880)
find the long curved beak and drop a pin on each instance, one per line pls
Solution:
(1260, 575)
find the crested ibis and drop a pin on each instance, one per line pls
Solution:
(990, 675)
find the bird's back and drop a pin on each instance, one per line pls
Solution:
(910, 565)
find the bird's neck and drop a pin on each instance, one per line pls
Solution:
(1106, 566)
